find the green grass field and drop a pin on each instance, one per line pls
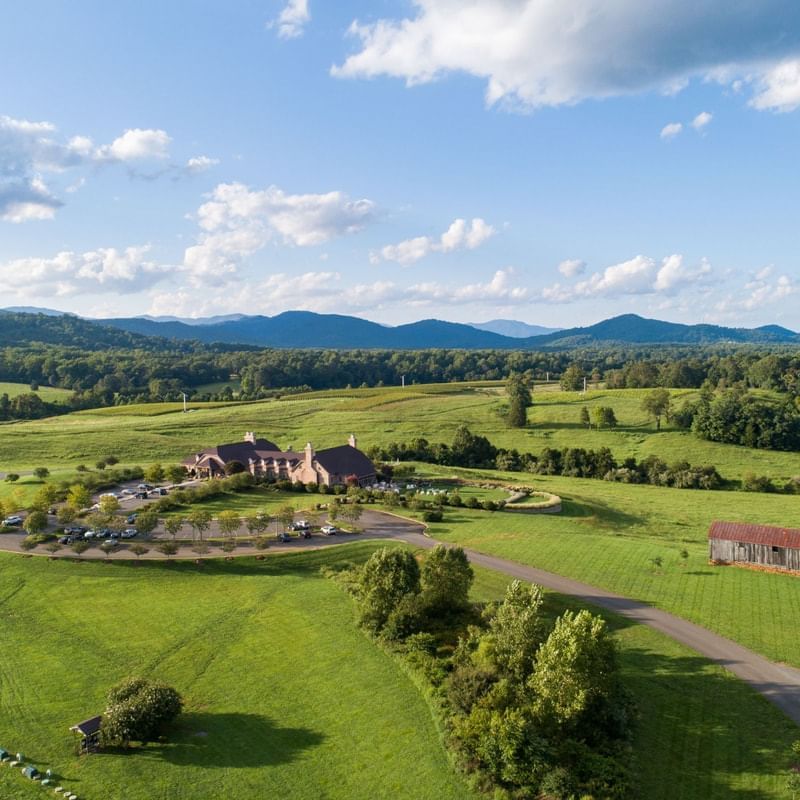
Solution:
(49, 394)
(286, 698)
(160, 431)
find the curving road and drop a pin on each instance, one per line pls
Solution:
(777, 683)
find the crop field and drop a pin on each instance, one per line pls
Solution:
(286, 698)
(48, 393)
(144, 433)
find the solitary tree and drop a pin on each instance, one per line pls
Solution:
(585, 418)
(656, 405)
(11, 477)
(572, 378)
(138, 710)
(41, 473)
(604, 417)
(351, 512)
(139, 549)
(519, 398)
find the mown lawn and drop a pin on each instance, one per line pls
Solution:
(608, 534)
(160, 431)
(49, 394)
(700, 733)
(285, 697)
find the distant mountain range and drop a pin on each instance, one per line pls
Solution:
(513, 328)
(336, 331)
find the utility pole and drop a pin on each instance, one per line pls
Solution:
(584, 384)
(547, 378)
(184, 401)
(403, 381)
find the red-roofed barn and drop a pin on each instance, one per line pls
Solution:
(759, 545)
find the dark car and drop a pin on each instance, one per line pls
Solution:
(284, 537)
(66, 540)
(131, 518)
(141, 495)
(306, 534)
(163, 491)
(75, 530)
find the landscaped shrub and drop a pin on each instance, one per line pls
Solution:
(430, 515)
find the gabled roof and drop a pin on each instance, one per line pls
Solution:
(345, 460)
(88, 727)
(755, 534)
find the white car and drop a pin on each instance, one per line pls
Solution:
(329, 530)
(12, 520)
(129, 533)
(109, 494)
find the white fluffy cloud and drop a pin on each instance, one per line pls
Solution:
(572, 267)
(30, 150)
(702, 121)
(198, 164)
(778, 89)
(548, 52)
(640, 275)
(458, 236)
(68, 273)
(237, 222)
(292, 20)
(671, 130)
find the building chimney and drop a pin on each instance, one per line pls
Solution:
(352, 440)
(309, 454)
(250, 437)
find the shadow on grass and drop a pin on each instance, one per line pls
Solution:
(702, 733)
(599, 512)
(229, 740)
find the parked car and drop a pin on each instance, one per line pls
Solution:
(329, 530)
(129, 533)
(14, 519)
(284, 537)
(65, 540)
(163, 491)
(109, 494)
(127, 492)
(307, 534)
(131, 518)
(75, 530)
(145, 487)
(90, 534)
(141, 495)
(299, 525)
(111, 542)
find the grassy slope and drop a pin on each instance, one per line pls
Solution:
(689, 741)
(285, 697)
(160, 431)
(49, 394)
(297, 703)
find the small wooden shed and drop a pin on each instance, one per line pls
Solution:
(755, 545)
(89, 731)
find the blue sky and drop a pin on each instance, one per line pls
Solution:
(555, 162)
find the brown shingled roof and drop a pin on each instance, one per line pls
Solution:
(345, 460)
(755, 534)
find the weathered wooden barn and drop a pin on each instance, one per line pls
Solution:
(756, 545)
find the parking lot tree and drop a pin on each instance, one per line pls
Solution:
(167, 548)
(200, 522)
(81, 546)
(351, 512)
(175, 473)
(53, 547)
(256, 522)
(108, 548)
(229, 522)
(79, 497)
(285, 516)
(228, 546)
(146, 522)
(35, 522)
(117, 523)
(173, 525)
(154, 473)
(446, 578)
(44, 498)
(65, 514)
(108, 504)
(41, 473)
(201, 548)
(28, 543)
(139, 549)
(387, 577)
(11, 477)
(261, 542)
